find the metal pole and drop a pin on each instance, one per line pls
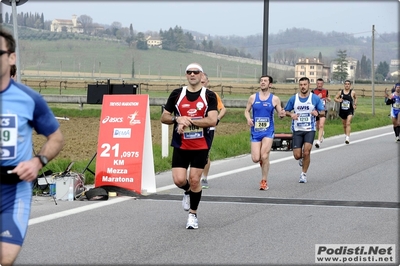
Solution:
(265, 39)
(373, 70)
(15, 24)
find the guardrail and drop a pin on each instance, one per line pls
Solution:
(363, 90)
(81, 100)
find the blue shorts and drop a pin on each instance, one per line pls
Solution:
(394, 113)
(257, 137)
(15, 209)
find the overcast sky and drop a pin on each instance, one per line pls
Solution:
(241, 18)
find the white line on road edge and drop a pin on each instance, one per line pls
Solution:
(118, 200)
(290, 157)
(76, 210)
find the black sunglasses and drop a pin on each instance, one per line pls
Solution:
(4, 52)
(196, 72)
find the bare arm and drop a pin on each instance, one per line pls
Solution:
(167, 118)
(209, 121)
(249, 105)
(354, 100)
(278, 107)
(28, 170)
(328, 97)
(222, 113)
(337, 98)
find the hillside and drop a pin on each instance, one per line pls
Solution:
(44, 51)
(308, 43)
(83, 54)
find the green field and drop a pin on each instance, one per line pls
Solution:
(236, 143)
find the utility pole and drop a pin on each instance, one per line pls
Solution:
(14, 4)
(373, 70)
(265, 39)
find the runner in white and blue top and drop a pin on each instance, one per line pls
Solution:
(394, 101)
(306, 106)
(22, 110)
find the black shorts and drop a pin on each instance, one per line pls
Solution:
(344, 114)
(192, 158)
(300, 137)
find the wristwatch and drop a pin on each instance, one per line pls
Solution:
(43, 159)
(174, 118)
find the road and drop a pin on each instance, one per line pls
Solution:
(351, 198)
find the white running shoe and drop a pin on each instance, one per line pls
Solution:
(301, 162)
(397, 139)
(204, 183)
(192, 222)
(303, 178)
(317, 144)
(186, 201)
(347, 141)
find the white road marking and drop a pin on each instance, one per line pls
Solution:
(57, 215)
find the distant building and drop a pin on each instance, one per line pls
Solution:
(351, 67)
(312, 69)
(66, 25)
(154, 42)
(394, 65)
(200, 38)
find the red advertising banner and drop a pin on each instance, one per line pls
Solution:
(124, 149)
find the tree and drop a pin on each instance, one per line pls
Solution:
(365, 68)
(86, 23)
(133, 68)
(358, 70)
(42, 21)
(368, 66)
(340, 71)
(383, 69)
(115, 26)
(131, 31)
(320, 57)
(141, 43)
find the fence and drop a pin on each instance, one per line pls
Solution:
(224, 89)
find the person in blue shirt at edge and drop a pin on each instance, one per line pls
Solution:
(303, 108)
(22, 110)
(394, 101)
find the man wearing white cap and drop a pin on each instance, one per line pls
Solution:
(191, 109)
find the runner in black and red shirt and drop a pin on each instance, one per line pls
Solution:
(323, 95)
(192, 110)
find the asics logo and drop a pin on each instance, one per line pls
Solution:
(5, 122)
(112, 119)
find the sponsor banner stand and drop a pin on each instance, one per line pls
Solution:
(124, 149)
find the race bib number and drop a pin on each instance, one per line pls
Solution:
(303, 121)
(261, 124)
(304, 118)
(8, 136)
(193, 132)
(396, 105)
(345, 105)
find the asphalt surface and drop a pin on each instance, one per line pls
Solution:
(351, 197)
